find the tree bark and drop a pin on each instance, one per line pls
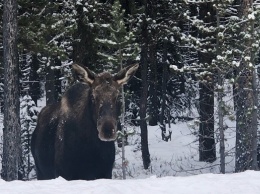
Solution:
(244, 122)
(154, 102)
(153, 78)
(246, 101)
(144, 94)
(164, 84)
(207, 149)
(12, 130)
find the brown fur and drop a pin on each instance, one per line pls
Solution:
(74, 138)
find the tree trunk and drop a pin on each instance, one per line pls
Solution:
(153, 78)
(207, 149)
(220, 90)
(154, 102)
(12, 130)
(246, 102)
(254, 121)
(144, 94)
(164, 83)
(244, 123)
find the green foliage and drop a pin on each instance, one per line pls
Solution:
(117, 44)
(45, 27)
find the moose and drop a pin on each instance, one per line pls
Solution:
(74, 138)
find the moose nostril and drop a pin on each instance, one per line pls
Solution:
(108, 130)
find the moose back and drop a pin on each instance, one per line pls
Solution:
(74, 138)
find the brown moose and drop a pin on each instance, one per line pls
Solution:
(74, 138)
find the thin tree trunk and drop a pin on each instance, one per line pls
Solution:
(220, 90)
(153, 108)
(153, 77)
(164, 82)
(254, 121)
(221, 123)
(144, 94)
(207, 149)
(12, 130)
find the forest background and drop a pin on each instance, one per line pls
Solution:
(188, 51)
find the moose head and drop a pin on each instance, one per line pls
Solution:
(105, 89)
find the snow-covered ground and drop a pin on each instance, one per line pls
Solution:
(178, 157)
(240, 183)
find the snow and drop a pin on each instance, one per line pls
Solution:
(240, 183)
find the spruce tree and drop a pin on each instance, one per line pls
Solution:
(117, 44)
(28, 116)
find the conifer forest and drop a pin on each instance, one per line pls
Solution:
(199, 62)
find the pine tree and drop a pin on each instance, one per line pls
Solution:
(235, 61)
(206, 102)
(118, 46)
(43, 29)
(28, 115)
(196, 53)
(48, 39)
(169, 21)
(84, 46)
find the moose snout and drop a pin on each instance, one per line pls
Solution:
(107, 130)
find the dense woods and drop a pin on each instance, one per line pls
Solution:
(193, 55)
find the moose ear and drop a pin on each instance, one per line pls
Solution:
(83, 73)
(124, 75)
